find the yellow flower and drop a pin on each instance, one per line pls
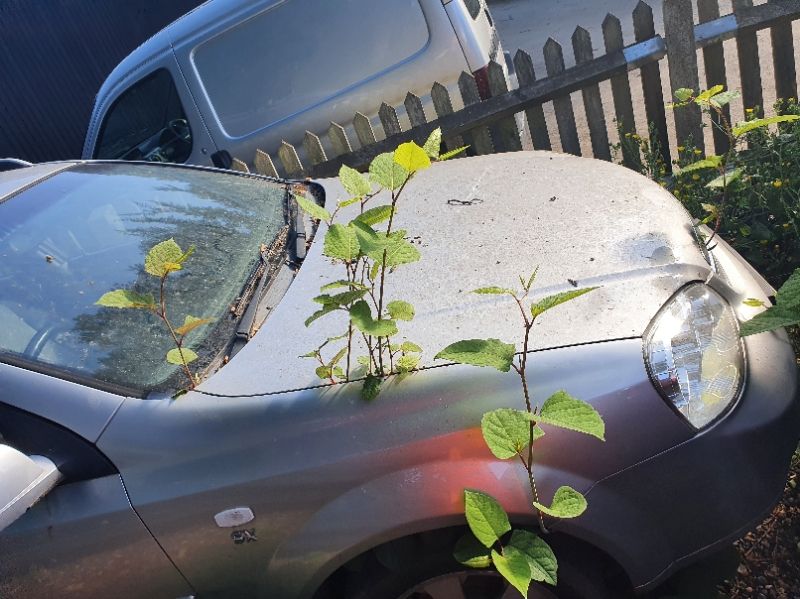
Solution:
(627, 135)
(777, 183)
(749, 110)
(698, 152)
(681, 148)
(695, 177)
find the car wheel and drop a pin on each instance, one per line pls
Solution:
(437, 575)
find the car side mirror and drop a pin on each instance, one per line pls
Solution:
(23, 481)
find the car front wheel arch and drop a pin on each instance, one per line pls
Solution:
(412, 567)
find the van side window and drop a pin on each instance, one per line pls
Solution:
(299, 53)
(147, 122)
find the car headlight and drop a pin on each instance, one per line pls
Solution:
(694, 355)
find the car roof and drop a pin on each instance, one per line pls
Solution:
(18, 179)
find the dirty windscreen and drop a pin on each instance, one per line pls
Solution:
(86, 231)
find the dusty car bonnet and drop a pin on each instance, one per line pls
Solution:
(483, 221)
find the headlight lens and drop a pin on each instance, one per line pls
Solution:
(694, 355)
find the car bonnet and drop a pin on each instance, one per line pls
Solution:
(484, 221)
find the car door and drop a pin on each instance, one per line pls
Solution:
(153, 118)
(83, 539)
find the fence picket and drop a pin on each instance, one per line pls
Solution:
(239, 165)
(749, 64)
(592, 102)
(414, 109)
(565, 116)
(714, 62)
(535, 115)
(783, 60)
(443, 106)
(480, 140)
(620, 90)
(264, 165)
(363, 127)
(388, 116)
(644, 29)
(314, 149)
(507, 132)
(291, 162)
(682, 58)
(339, 142)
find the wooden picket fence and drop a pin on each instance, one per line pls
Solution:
(488, 125)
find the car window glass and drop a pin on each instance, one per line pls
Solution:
(85, 231)
(299, 53)
(147, 122)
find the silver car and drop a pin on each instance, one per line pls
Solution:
(263, 481)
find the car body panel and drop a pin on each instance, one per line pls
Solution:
(84, 540)
(317, 467)
(613, 236)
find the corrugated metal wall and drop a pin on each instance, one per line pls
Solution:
(54, 55)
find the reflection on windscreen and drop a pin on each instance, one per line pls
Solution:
(85, 231)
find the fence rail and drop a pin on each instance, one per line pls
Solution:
(488, 125)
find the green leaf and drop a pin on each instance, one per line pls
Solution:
(361, 317)
(506, 431)
(788, 295)
(531, 279)
(340, 299)
(400, 310)
(433, 145)
(551, 301)
(753, 302)
(174, 356)
(453, 153)
(471, 553)
(487, 519)
(164, 258)
(371, 387)
(190, 323)
(324, 372)
(748, 126)
(724, 98)
(341, 243)
(493, 291)
(479, 352)
(769, 320)
(712, 161)
(122, 298)
(354, 182)
(683, 94)
(726, 179)
(340, 284)
(326, 309)
(348, 202)
(541, 559)
(375, 215)
(312, 354)
(384, 171)
(513, 566)
(411, 157)
(398, 250)
(407, 346)
(565, 411)
(567, 503)
(312, 208)
(407, 363)
(338, 357)
(704, 97)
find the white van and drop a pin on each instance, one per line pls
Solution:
(237, 75)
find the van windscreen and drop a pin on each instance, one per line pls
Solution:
(299, 53)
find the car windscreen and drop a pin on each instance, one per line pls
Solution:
(85, 231)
